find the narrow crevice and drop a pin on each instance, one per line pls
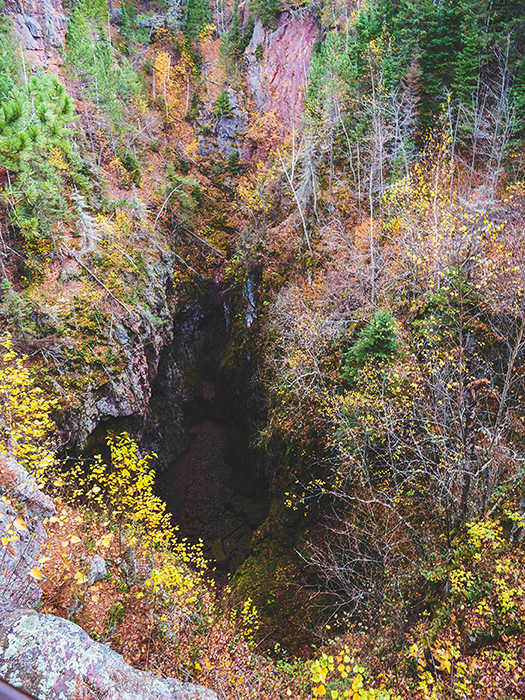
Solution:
(213, 484)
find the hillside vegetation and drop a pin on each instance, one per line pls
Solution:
(369, 252)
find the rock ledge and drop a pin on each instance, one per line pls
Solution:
(54, 659)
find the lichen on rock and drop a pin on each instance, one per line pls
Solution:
(54, 659)
(45, 655)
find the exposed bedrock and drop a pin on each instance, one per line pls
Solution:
(40, 27)
(55, 659)
(166, 382)
(45, 655)
(278, 71)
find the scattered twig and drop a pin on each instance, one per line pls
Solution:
(74, 256)
(203, 240)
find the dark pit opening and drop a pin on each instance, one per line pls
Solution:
(212, 498)
(201, 423)
(215, 488)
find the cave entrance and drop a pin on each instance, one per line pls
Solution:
(213, 498)
(214, 487)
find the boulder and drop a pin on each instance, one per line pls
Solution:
(17, 483)
(24, 36)
(97, 569)
(21, 546)
(22, 509)
(54, 659)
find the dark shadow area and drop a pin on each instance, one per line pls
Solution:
(212, 499)
(214, 488)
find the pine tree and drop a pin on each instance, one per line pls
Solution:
(107, 82)
(467, 69)
(375, 342)
(196, 16)
(35, 147)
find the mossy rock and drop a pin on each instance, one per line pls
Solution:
(273, 578)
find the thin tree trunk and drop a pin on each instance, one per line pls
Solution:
(331, 148)
(166, 78)
(305, 229)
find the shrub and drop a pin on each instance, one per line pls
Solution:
(184, 191)
(266, 10)
(131, 164)
(376, 341)
(233, 162)
(26, 425)
(223, 106)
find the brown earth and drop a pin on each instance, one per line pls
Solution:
(210, 499)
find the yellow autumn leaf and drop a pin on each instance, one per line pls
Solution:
(74, 539)
(104, 541)
(321, 690)
(20, 524)
(80, 578)
(36, 574)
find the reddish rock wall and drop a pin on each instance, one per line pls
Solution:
(278, 80)
(40, 27)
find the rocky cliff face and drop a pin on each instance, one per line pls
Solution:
(225, 131)
(277, 64)
(164, 382)
(45, 655)
(40, 26)
(166, 348)
(22, 508)
(162, 347)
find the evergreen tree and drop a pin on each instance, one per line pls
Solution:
(438, 45)
(36, 117)
(376, 342)
(36, 150)
(454, 47)
(332, 73)
(467, 69)
(107, 82)
(196, 16)
(266, 11)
